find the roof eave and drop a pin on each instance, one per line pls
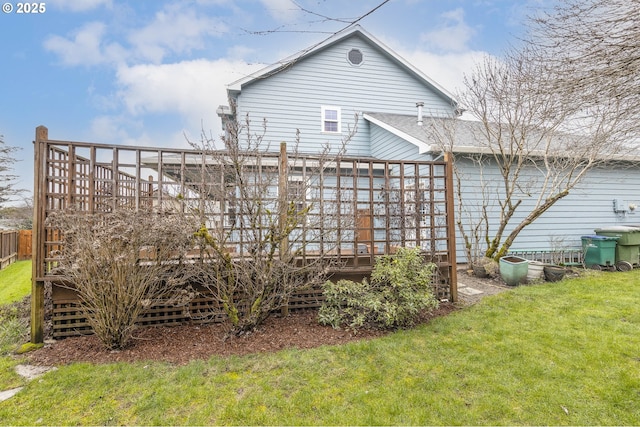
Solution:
(627, 158)
(423, 147)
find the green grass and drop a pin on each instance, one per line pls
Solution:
(15, 282)
(15, 285)
(566, 353)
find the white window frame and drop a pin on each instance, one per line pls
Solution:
(324, 121)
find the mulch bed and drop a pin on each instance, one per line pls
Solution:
(182, 344)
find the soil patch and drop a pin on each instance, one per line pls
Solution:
(468, 284)
(182, 344)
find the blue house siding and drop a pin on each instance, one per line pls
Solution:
(385, 89)
(385, 145)
(590, 205)
(587, 207)
(292, 99)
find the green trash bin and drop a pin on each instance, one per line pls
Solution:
(628, 247)
(599, 251)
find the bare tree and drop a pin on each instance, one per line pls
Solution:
(540, 145)
(19, 216)
(268, 228)
(592, 50)
(7, 179)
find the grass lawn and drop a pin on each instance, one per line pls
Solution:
(15, 282)
(565, 353)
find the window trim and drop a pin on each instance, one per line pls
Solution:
(324, 121)
(349, 57)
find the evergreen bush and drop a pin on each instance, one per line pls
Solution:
(400, 288)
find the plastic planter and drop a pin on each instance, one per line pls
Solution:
(513, 270)
(535, 271)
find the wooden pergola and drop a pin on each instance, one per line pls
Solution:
(390, 204)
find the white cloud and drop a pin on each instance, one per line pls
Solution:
(447, 70)
(175, 29)
(85, 46)
(79, 5)
(113, 129)
(192, 89)
(453, 35)
(124, 130)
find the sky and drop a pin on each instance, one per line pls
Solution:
(153, 72)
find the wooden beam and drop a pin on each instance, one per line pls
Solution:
(451, 227)
(37, 242)
(283, 173)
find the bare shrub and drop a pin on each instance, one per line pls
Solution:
(121, 263)
(267, 232)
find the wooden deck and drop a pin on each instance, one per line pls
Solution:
(388, 204)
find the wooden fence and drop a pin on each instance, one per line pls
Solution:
(24, 244)
(8, 247)
(390, 204)
(15, 245)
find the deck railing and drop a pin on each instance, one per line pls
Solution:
(384, 204)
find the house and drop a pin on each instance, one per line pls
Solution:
(352, 87)
(367, 201)
(322, 97)
(392, 184)
(327, 91)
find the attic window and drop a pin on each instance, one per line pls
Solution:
(355, 57)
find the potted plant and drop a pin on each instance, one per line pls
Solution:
(554, 273)
(484, 267)
(513, 269)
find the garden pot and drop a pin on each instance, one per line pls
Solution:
(554, 273)
(480, 272)
(535, 271)
(513, 270)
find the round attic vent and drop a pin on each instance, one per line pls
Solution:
(355, 57)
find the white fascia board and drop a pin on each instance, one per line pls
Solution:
(627, 158)
(422, 146)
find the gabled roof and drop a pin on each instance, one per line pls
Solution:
(408, 128)
(402, 126)
(279, 66)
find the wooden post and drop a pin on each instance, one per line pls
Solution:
(37, 239)
(282, 196)
(451, 227)
(283, 208)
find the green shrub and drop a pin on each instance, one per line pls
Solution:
(399, 290)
